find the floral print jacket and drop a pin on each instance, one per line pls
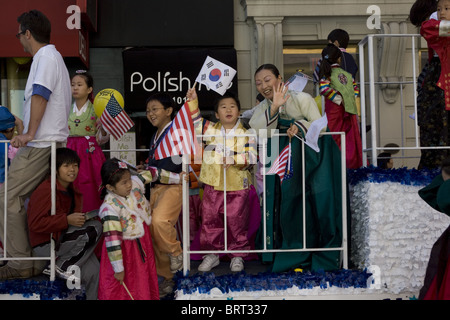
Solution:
(123, 219)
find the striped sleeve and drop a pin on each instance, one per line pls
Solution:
(355, 88)
(328, 92)
(149, 175)
(168, 177)
(112, 231)
(195, 112)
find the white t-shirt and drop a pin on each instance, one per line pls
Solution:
(49, 70)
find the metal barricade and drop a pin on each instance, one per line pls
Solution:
(343, 247)
(51, 258)
(371, 109)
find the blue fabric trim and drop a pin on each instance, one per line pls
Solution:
(41, 91)
(405, 176)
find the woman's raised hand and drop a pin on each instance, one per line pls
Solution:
(280, 97)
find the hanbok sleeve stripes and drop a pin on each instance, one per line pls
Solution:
(112, 230)
(328, 92)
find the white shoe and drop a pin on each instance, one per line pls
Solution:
(209, 261)
(176, 263)
(237, 264)
(60, 273)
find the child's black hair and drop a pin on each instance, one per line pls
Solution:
(421, 10)
(65, 155)
(227, 94)
(340, 36)
(111, 173)
(330, 56)
(166, 101)
(383, 159)
(86, 76)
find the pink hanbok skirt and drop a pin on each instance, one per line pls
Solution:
(254, 220)
(89, 179)
(341, 121)
(140, 277)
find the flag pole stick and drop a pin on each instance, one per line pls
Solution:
(128, 291)
(289, 157)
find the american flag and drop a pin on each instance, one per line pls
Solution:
(115, 120)
(282, 165)
(180, 138)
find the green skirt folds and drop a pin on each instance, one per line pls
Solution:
(284, 208)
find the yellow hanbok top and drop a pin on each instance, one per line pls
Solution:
(221, 147)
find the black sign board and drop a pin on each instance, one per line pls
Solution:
(173, 71)
(168, 23)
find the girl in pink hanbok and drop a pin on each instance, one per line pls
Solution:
(340, 92)
(85, 137)
(127, 265)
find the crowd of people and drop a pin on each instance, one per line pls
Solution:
(129, 249)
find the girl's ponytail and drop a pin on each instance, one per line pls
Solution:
(330, 56)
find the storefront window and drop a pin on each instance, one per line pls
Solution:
(14, 74)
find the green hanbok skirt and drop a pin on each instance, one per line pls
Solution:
(284, 208)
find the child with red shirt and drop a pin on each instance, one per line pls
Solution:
(75, 238)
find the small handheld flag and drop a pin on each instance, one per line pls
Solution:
(180, 138)
(216, 75)
(115, 120)
(312, 136)
(298, 81)
(282, 165)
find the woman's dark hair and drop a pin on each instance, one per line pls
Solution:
(38, 24)
(445, 166)
(166, 100)
(270, 67)
(111, 173)
(340, 36)
(260, 97)
(227, 94)
(421, 11)
(330, 56)
(65, 155)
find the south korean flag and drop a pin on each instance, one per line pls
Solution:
(216, 75)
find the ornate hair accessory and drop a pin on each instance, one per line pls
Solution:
(80, 71)
(122, 165)
(326, 57)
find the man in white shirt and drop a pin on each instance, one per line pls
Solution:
(46, 111)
